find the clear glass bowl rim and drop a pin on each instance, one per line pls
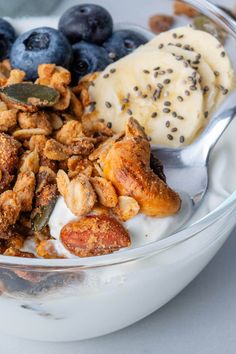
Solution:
(38, 264)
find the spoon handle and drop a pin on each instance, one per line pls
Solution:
(200, 149)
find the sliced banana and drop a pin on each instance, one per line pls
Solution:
(157, 88)
(210, 49)
(208, 79)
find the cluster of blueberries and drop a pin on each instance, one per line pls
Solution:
(84, 42)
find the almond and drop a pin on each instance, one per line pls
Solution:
(94, 235)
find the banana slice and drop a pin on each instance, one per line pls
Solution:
(208, 79)
(159, 89)
(210, 49)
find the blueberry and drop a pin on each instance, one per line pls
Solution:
(40, 46)
(87, 58)
(123, 42)
(7, 37)
(88, 22)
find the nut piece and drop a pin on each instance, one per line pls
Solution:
(78, 193)
(55, 151)
(55, 120)
(24, 187)
(28, 120)
(133, 128)
(94, 235)
(37, 142)
(160, 23)
(105, 191)
(82, 146)
(126, 208)
(8, 153)
(101, 152)
(16, 76)
(76, 165)
(8, 119)
(69, 132)
(10, 208)
(76, 106)
(30, 161)
(23, 134)
(181, 8)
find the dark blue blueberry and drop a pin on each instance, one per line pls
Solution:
(7, 37)
(122, 43)
(87, 58)
(88, 22)
(40, 46)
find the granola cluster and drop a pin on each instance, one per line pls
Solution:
(50, 151)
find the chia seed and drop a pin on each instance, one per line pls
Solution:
(129, 112)
(166, 110)
(166, 81)
(170, 137)
(108, 104)
(167, 124)
(193, 88)
(181, 139)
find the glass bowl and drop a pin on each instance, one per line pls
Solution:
(73, 299)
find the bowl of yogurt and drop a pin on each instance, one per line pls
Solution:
(76, 298)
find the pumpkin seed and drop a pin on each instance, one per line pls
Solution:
(44, 212)
(29, 94)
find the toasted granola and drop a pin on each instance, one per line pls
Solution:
(57, 151)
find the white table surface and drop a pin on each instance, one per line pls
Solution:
(200, 320)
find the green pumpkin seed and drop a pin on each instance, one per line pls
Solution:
(203, 23)
(43, 214)
(29, 94)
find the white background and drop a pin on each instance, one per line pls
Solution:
(201, 320)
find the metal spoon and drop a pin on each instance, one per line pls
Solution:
(186, 168)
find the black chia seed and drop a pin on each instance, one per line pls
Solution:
(108, 104)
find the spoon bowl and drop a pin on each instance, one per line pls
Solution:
(186, 168)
